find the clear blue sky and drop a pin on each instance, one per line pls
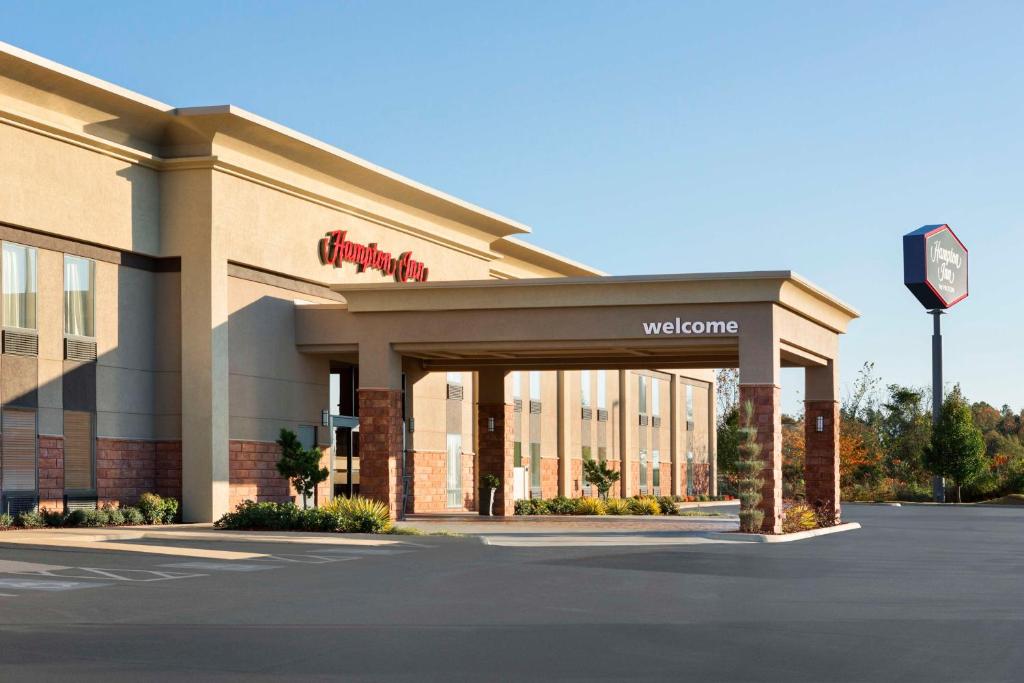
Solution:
(648, 137)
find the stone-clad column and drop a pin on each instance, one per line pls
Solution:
(380, 446)
(627, 424)
(767, 418)
(821, 460)
(496, 429)
(380, 424)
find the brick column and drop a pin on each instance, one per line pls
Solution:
(380, 446)
(496, 454)
(767, 417)
(821, 461)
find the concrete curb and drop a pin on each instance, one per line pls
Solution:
(737, 537)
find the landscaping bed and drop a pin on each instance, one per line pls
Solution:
(636, 505)
(355, 515)
(151, 509)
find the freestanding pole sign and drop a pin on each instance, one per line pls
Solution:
(935, 271)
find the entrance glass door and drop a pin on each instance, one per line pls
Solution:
(454, 470)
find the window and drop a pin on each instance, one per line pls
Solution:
(535, 468)
(19, 286)
(19, 450)
(585, 388)
(585, 452)
(641, 395)
(79, 296)
(643, 471)
(655, 397)
(534, 385)
(517, 454)
(689, 404)
(79, 451)
(602, 389)
(655, 468)
(454, 378)
(517, 384)
(689, 472)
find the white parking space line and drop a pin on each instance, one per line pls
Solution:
(96, 573)
(221, 566)
(49, 586)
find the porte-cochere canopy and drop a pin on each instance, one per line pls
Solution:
(758, 322)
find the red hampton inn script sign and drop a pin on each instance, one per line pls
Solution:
(335, 249)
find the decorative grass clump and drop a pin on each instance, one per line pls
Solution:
(591, 506)
(644, 505)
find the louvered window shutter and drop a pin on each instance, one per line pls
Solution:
(78, 450)
(19, 450)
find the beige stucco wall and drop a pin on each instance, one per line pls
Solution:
(56, 187)
(271, 384)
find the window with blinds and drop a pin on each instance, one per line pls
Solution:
(79, 443)
(19, 450)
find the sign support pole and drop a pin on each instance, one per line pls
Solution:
(938, 483)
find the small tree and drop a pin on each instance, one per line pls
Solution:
(300, 465)
(957, 448)
(600, 475)
(748, 473)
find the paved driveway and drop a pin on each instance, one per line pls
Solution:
(917, 594)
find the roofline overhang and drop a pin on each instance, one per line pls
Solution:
(158, 122)
(782, 287)
(510, 246)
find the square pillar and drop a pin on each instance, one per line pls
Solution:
(381, 428)
(821, 437)
(496, 434)
(676, 482)
(760, 361)
(627, 425)
(767, 418)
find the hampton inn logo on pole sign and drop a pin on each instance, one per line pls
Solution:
(935, 266)
(335, 249)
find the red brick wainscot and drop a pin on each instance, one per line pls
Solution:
(127, 468)
(253, 475)
(51, 472)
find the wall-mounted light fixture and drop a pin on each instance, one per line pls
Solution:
(325, 418)
(412, 425)
(490, 424)
(820, 423)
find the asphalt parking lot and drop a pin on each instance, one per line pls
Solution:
(920, 593)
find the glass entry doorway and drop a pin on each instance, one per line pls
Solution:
(346, 456)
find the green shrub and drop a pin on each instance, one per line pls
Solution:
(31, 519)
(6, 520)
(96, 518)
(318, 519)
(75, 518)
(132, 516)
(644, 505)
(158, 510)
(250, 515)
(115, 516)
(152, 508)
(617, 506)
(532, 506)
(798, 517)
(668, 505)
(171, 506)
(561, 505)
(590, 506)
(52, 518)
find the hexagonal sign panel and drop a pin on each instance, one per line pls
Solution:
(935, 266)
